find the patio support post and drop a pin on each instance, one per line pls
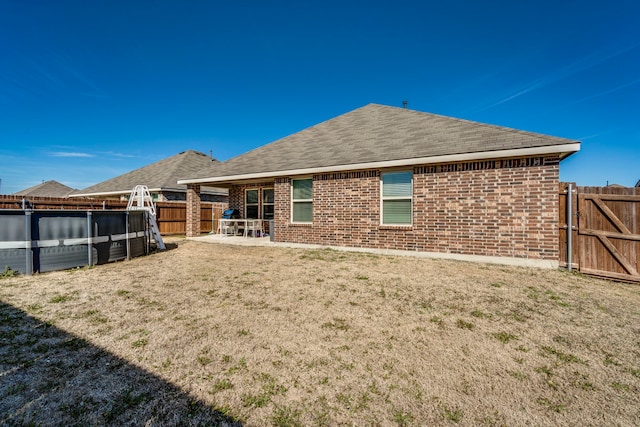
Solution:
(193, 210)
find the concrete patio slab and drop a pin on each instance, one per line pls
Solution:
(265, 241)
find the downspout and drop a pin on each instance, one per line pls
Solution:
(570, 226)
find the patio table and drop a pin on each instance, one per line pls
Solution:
(239, 223)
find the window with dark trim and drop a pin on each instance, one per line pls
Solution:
(251, 204)
(267, 203)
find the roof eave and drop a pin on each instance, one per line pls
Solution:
(563, 150)
(100, 193)
(214, 191)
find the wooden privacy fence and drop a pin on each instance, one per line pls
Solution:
(171, 216)
(605, 231)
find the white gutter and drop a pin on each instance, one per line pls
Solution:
(107, 193)
(218, 192)
(450, 158)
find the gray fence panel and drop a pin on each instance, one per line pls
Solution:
(60, 239)
(108, 223)
(57, 249)
(12, 229)
(15, 259)
(114, 226)
(62, 258)
(137, 247)
(13, 250)
(118, 251)
(60, 228)
(137, 221)
(138, 225)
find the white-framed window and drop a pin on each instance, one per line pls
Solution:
(268, 198)
(396, 200)
(251, 206)
(302, 200)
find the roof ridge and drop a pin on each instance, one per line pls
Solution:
(376, 133)
(47, 186)
(471, 122)
(294, 133)
(161, 174)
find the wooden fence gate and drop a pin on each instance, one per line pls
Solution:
(605, 236)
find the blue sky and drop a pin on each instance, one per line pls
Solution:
(93, 89)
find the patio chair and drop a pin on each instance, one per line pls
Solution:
(253, 226)
(227, 228)
(241, 226)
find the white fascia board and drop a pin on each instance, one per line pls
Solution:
(108, 193)
(450, 158)
(214, 191)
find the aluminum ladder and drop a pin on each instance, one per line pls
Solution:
(140, 199)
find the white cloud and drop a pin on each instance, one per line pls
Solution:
(576, 67)
(70, 154)
(120, 155)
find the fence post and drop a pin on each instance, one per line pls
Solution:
(89, 238)
(570, 226)
(28, 239)
(127, 236)
(147, 234)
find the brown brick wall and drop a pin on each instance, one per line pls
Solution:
(174, 196)
(193, 210)
(236, 195)
(506, 208)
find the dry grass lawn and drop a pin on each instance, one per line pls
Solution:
(207, 334)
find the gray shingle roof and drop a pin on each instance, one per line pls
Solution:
(161, 175)
(46, 189)
(378, 133)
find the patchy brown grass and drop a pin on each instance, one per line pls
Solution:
(213, 334)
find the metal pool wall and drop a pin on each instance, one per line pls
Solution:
(46, 240)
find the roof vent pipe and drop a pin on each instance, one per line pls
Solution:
(404, 104)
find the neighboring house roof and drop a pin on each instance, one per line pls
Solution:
(638, 183)
(161, 176)
(381, 136)
(46, 189)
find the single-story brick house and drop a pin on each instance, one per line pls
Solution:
(161, 178)
(392, 178)
(49, 188)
